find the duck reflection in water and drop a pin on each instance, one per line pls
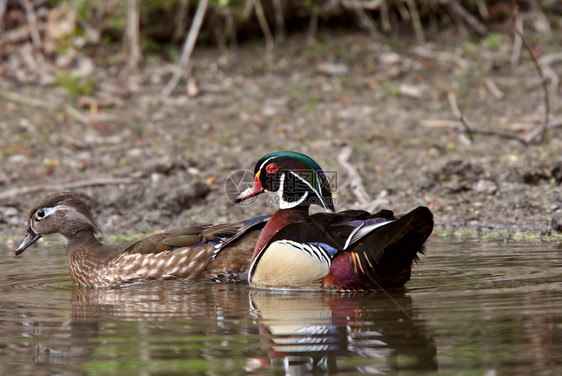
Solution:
(298, 332)
(321, 333)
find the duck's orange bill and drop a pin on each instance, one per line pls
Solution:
(254, 190)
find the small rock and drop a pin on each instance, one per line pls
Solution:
(67, 59)
(394, 72)
(332, 69)
(193, 89)
(85, 67)
(17, 159)
(134, 153)
(485, 186)
(193, 171)
(414, 91)
(389, 58)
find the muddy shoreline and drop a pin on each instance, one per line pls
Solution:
(388, 104)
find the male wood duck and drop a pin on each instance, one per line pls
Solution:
(218, 253)
(351, 250)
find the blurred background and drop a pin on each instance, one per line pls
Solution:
(147, 107)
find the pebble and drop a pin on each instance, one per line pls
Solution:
(332, 69)
(485, 186)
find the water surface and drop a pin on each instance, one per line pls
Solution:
(472, 308)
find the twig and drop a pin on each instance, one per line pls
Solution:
(550, 58)
(355, 180)
(365, 4)
(463, 30)
(483, 9)
(230, 28)
(459, 115)
(180, 20)
(279, 20)
(32, 21)
(552, 77)
(76, 115)
(493, 88)
(517, 42)
(416, 21)
(18, 98)
(187, 48)
(458, 10)
(21, 34)
(440, 56)
(34, 102)
(500, 134)
(364, 19)
(133, 35)
(403, 10)
(356, 184)
(312, 26)
(539, 72)
(3, 5)
(35, 59)
(530, 138)
(66, 186)
(541, 22)
(247, 11)
(385, 17)
(269, 41)
(534, 134)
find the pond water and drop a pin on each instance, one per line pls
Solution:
(471, 308)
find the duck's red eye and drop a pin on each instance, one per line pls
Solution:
(271, 168)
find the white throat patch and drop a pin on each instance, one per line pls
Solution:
(286, 204)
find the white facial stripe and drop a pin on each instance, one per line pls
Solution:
(280, 190)
(285, 204)
(313, 189)
(288, 205)
(49, 211)
(263, 164)
(31, 226)
(281, 183)
(320, 190)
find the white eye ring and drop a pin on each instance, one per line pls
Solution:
(42, 213)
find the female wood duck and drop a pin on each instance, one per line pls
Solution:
(351, 250)
(195, 253)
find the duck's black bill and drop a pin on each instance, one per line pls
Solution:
(30, 238)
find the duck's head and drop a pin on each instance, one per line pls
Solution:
(296, 178)
(62, 213)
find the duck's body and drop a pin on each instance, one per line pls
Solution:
(319, 251)
(351, 250)
(193, 253)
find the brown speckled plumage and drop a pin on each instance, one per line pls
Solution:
(219, 253)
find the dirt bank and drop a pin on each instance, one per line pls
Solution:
(387, 99)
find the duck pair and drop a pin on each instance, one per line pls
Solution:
(349, 250)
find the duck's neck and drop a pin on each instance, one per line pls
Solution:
(86, 255)
(280, 219)
(83, 244)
